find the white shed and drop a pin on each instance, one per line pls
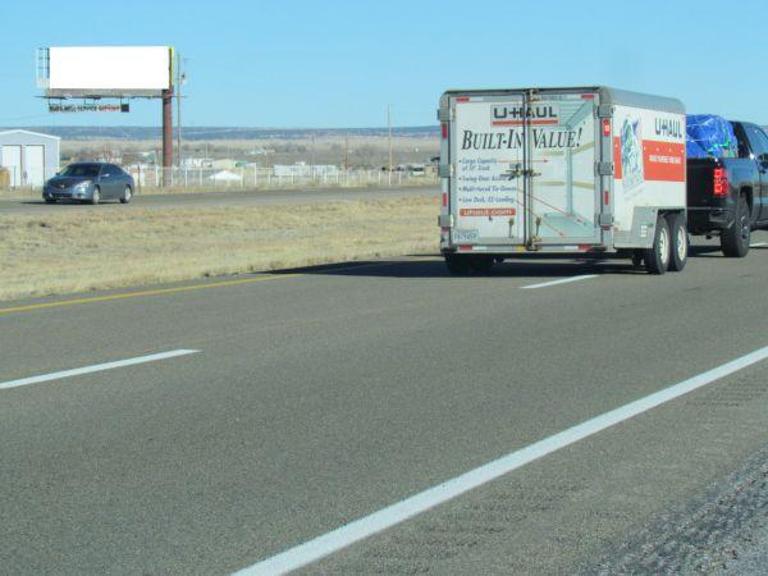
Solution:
(30, 157)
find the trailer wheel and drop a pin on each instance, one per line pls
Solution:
(678, 232)
(457, 264)
(481, 264)
(735, 240)
(657, 257)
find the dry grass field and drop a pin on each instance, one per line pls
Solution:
(77, 251)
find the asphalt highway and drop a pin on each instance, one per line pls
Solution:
(221, 198)
(211, 428)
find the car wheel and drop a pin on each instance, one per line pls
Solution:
(735, 241)
(96, 198)
(678, 233)
(656, 257)
(127, 194)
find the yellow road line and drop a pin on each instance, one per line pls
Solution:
(156, 292)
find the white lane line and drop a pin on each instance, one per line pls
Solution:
(95, 368)
(322, 546)
(758, 244)
(561, 281)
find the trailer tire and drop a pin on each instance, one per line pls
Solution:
(457, 264)
(657, 257)
(735, 240)
(678, 233)
(481, 264)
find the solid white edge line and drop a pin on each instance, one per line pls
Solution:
(95, 368)
(561, 281)
(327, 544)
(758, 244)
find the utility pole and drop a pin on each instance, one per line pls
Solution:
(346, 151)
(167, 136)
(389, 129)
(180, 79)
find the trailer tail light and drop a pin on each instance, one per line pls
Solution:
(445, 200)
(444, 130)
(720, 184)
(606, 126)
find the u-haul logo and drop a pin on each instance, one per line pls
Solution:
(516, 115)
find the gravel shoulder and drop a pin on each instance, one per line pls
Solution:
(724, 532)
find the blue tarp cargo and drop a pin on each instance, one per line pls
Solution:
(709, 136)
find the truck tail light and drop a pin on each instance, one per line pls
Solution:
(720, 184)
(445, 200)
(444, 130)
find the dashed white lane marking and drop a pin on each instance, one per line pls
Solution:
(95, 368)
(561, 281)
(322, 546)
(758, 244)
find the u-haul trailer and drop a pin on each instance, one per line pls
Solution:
(562, 170)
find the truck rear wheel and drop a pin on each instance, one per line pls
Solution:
(657, 257)
(735, 240)
(678, 232)
(457, 264)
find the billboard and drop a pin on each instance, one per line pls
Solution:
(109, 71)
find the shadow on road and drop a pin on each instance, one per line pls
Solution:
(523, 266)
(520, 266)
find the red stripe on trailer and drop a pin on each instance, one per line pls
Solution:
(587, 96)
(617, 158)
(545, 122)
(465, 248)
(663, 161)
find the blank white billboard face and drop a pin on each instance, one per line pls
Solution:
(110, 68)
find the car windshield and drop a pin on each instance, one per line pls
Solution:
(88, 170)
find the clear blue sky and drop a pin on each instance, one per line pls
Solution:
(339, 63)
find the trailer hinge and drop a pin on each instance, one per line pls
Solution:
(604, 168)
(605, 111)
(444, 171)
(605, 220)
(443, 114)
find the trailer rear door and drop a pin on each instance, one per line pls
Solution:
(562, 188)
(488, 184)
(523, 169)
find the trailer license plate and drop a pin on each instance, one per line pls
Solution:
(460, 235)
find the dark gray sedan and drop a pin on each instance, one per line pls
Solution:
(90, 182)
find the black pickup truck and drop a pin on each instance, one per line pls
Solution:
(728, 197)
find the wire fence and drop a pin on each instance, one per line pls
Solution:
(268, 178)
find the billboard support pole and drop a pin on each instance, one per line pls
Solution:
(167, 136)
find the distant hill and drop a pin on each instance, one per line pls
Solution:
(224, 133)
